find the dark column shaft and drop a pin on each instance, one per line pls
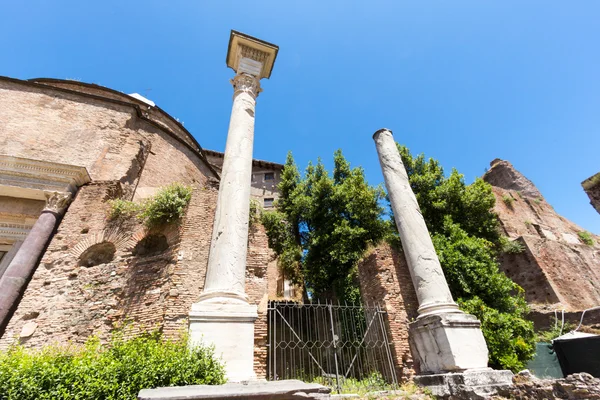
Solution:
(19, 272)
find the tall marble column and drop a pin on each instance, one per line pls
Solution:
(223, 317)
(443, 338)
(21, 268)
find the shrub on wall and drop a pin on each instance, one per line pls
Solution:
(118, 370)
(166, 206)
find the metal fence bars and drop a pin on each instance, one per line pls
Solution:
(342, 346)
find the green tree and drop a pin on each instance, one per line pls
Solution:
(465, 234)
(323, 224)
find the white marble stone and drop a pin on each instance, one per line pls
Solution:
(228, 325)
(473, 384)
(222, 316)
(448, 342)
(425, 270)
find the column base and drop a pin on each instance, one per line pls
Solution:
(450, 342)
(472, 384)
(228, 324)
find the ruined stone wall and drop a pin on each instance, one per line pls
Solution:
(592, 188)
(257, 261)
(110, 140)
(555, 260)
(44, 124)
(385, 279)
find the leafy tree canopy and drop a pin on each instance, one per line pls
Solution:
(323, 224)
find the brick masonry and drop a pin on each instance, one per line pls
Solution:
(592, 188)
(385, 279)
(554, 259)
(129, 154)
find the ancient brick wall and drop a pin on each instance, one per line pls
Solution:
(592, 188)
(98, 273)
(109, 139)
(65, 301)
(258, 259)
(385, 279)
(44, 124)
(143, 287)
(554, 259)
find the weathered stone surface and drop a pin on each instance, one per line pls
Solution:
(472, 384)
(448, 342)
(592, 187)
(554, 259)
(425, 269)
(286, 389)
(502, 174)
(28, 329)
(573, 387)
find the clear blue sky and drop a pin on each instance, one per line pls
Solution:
(462, 81)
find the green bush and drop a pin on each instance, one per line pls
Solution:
(586, 238)
(508, 200)
(510, 338)
(548, 335)
(511, 246)
(118, 370)
(255, 212)
(120, 208)
(166, 206)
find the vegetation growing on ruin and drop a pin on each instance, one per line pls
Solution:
(167, 205)
(255, 212)
(118, 370)
(511, 246)
(120, 208)
(322, 225)
(465, 233)
(508, 200)
(586, 238)
(549, 335)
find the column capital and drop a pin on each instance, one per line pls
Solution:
(246, 83)
(57, 202)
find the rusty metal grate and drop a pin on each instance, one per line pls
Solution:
(336, 345)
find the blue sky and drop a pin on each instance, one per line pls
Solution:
(462, 81)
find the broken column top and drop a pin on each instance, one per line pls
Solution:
(249, 55)
(502, 174)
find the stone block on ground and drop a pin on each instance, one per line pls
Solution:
(258, 390)
(472, 384)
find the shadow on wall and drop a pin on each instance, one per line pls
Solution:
(146, 282)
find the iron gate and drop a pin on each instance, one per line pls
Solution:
(335, 345)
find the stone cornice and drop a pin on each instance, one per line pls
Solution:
(27, 178)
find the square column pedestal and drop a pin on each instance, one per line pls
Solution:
(452, 355)
(228, 325)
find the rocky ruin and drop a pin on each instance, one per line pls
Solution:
(554, 257)
(592, 187)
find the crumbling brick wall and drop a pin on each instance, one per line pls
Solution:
(258, 259)
(554, 259)
(385, 279)
(592, 188)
